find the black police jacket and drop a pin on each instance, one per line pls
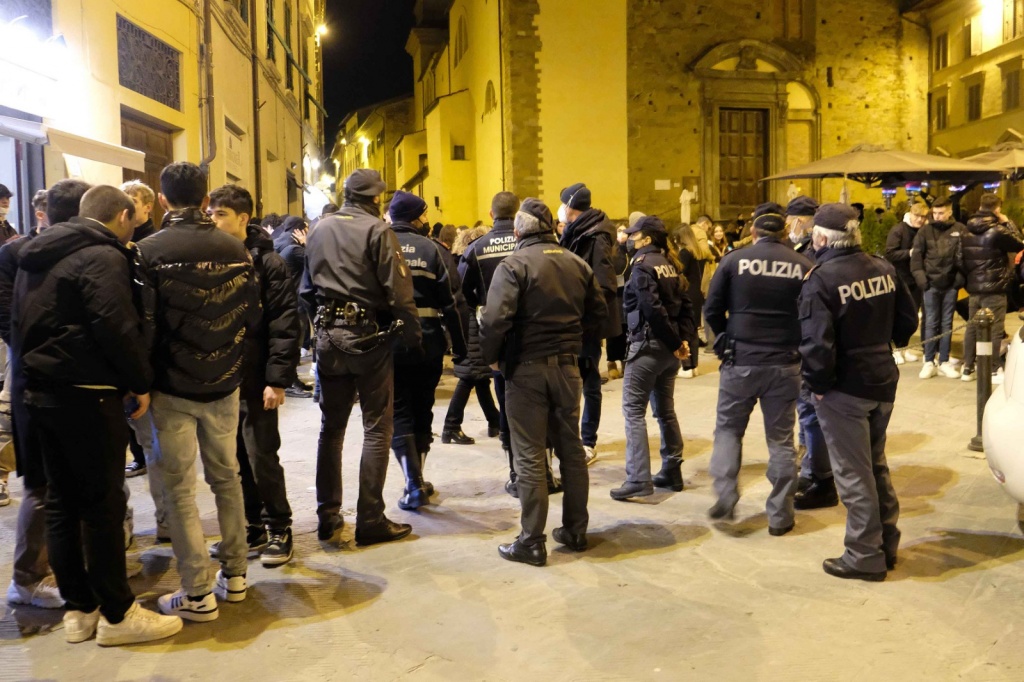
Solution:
(653, 301)
(898, 245)
(852, 306)
(74, 320)
(752, 299)
(206, 299)
(432, 292)
(933, 262)
(353, 257)
(982, 254)
(481, 259)
(272, 346)
(541, 302)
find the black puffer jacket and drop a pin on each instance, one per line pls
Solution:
(206, 298)
(898, 244)
(74, 320)
(10, 254)
(473, 367)
(592, 237)
(271, 348)
(933, 262)
(982, 256)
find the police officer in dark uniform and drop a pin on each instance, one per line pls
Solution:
(418, 370)
(476, 268)
(541, 301)
(661, 327)
(752, 310)
(358, 282)
(852, 308)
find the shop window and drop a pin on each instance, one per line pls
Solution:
(941, 51)
(974, 93)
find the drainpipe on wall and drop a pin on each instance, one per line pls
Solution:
(257, 144)
(206, 77)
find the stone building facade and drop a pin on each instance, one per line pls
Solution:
(642, 99)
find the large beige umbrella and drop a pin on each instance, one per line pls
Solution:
(876, 166)
(1009, 156)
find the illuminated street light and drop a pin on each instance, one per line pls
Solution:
(321, 30)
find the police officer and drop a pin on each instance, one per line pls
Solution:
(541, 301)
(661, 325)
(752, 310)
(852, 307)
(815, 487)
(418, 370)
(358, 282)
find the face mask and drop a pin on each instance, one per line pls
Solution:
(561, 214)
(631, 247)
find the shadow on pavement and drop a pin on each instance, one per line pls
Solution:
(915, 484)
(952, 552)
(627, 540)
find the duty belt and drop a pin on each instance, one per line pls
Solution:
(560, 359)
(337, 314)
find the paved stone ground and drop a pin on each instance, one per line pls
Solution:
(662, 595)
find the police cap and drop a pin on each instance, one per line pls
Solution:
(802, 206)
(836, 217)
(365, 182)
(769, 216)
(648, 223)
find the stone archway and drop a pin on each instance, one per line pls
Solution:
(746, 90)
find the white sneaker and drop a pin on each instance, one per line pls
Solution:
(897, 357)
(589, 454)
(312, 370)
(928, 371)
(80, 626)
(179, 604)
(949, 371)
(230, 588)
(132, 567)
(139, 625)
(911, 356)
(43, 595)
(687, 373)
(967, 375)
(956, 362)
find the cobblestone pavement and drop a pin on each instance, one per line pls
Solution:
(663, 594)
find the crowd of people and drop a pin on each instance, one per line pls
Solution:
(184, 340)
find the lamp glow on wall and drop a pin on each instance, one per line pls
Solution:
(366, 151)
(991, 23)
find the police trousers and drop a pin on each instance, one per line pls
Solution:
(543, 403)
(650, 377)
(341, 375)
(776, 387)
(855, 431)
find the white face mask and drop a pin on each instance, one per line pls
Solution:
(561, 213)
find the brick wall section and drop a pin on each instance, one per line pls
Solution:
(879, 92)
(521, 96)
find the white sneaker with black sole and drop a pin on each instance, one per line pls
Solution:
(231, 588)
(198, 609)
(138, 625)
(949, 371)
(80, 626)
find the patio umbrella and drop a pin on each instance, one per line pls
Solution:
(1009, 156)
(876, 166)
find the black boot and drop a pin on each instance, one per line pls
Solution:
(493, 430)
(456, 436)
(819, 495)
(423, 442)
(670, 476)
(405, 452)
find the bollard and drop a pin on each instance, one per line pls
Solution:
(983, 368)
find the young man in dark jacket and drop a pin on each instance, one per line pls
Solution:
(206, 297)
(899, 246)
(591, 236)
(82, 350)
(271, 356)
(933, 263)
(984, 258)
(290, 244)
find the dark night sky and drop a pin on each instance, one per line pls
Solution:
(364, 56)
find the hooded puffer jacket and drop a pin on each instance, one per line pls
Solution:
(207, 297)
(982, 255)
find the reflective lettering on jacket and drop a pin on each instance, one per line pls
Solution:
(667, 270)
(762, 267)
(866, 288)
(500, 245)
(415, 263)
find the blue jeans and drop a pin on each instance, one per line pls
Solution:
(939, 305)
(815, 463)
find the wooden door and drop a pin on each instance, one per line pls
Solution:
(156, 144)
(743, 160)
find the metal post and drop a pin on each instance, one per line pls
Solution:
(983, 323)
